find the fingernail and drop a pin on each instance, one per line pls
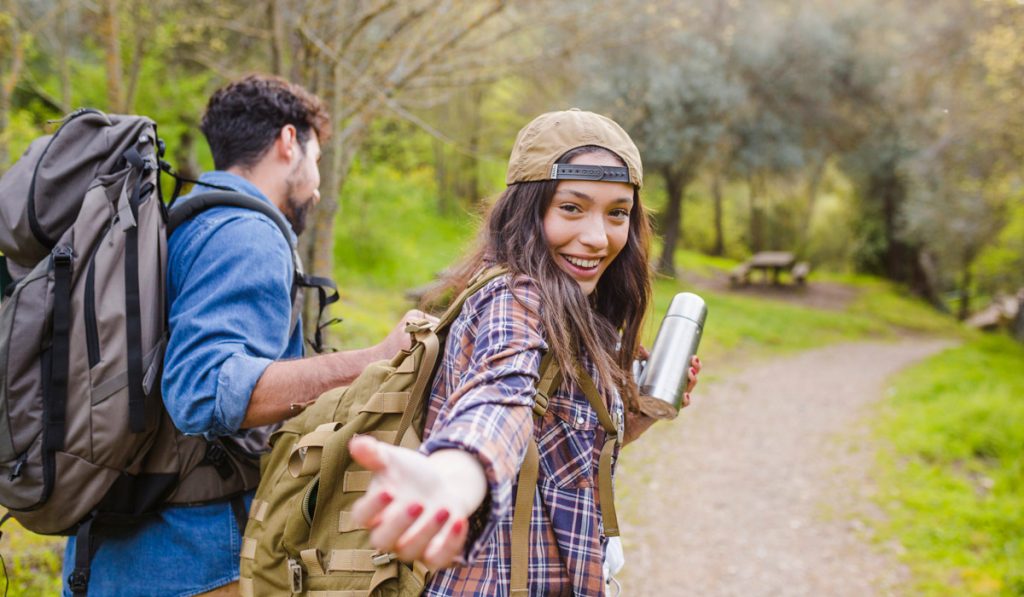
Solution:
(414, 510)
(457, 526)
(693, 370)
(386, 498)
(442, 516)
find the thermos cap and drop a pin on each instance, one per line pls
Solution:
(688, 306)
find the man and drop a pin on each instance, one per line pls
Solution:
(232, 361)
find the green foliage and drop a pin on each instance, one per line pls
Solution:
(389, 240)
(953, 476)
(33, 562)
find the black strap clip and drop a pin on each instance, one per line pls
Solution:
(217, 456)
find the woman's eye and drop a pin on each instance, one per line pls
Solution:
(570, 208)
(620, 213)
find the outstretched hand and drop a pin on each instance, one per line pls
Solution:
(418, 506)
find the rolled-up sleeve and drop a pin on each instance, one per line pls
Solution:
(230, 308)
(489, 410)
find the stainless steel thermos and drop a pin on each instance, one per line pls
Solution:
(664, 376)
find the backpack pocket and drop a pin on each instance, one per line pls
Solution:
(26, 469)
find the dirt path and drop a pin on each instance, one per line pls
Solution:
(760, 488)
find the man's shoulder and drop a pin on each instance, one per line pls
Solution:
(228, 224)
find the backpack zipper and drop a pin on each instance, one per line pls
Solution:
(18, 465)
(92, 340)
(309, 500)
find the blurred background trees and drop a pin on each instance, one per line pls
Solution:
(883, 137)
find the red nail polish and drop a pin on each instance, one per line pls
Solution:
(442, 516)
(457, 526)
(385, 498)
(414, 510)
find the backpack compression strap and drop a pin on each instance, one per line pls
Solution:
(327, 290)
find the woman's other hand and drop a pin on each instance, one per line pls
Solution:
(418, 506)
(695, 368)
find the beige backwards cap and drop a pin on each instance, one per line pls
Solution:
(549, 136)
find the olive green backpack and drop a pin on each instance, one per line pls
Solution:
(300, 538)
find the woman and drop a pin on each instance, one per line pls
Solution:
(573, 235)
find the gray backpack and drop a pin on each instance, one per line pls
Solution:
(85, 443)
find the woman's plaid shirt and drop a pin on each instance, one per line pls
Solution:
(481, 402)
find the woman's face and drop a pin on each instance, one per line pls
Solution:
(587, 223)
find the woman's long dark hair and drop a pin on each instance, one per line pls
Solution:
(606, 325)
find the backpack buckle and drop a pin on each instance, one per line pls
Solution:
(78, 581)
(382, 559)
(295, 576)
(217, 456)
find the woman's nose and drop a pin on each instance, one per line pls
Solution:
(593, 234)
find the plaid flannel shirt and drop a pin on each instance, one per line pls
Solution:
(481, 402)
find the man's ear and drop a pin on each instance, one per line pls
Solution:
(286, 143)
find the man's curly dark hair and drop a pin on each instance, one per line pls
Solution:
(244, 117)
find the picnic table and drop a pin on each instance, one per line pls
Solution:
(771, 263)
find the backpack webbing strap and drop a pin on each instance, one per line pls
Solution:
(57, 396)
(521, 517)
(431, 348)
(522, 514)
(324, 300)
(604, 471)
(85, 549)
(132, 301)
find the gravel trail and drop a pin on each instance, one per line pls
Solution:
(761, 487)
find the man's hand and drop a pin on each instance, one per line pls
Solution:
(417, 506)
(398, 338)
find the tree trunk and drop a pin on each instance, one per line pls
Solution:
(964, 311)
(671, 222)
(441, 178)
(716, 194)
(63, 65)
(110, 30)
(276, 14)
(813, 185)
(756, 224)
(1018, 322)
(11, 42)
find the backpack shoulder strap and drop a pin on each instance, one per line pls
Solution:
(201, 202)
(522, 513)
(550, 379)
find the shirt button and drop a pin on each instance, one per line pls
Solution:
(580, 420)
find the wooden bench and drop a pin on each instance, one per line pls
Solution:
(740, 274)
(800, 272)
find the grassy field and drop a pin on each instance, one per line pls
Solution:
(952, 472)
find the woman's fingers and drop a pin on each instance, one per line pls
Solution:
(395, 521)
(412, 545)
(691, 375)
(446, 546)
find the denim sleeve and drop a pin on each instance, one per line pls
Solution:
(229, 281)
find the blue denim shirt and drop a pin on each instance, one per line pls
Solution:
(229, 275)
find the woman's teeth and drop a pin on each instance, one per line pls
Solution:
(583, 263)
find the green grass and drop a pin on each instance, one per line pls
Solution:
(743, 324)
(953, 471)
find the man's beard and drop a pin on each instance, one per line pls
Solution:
(296, 213)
